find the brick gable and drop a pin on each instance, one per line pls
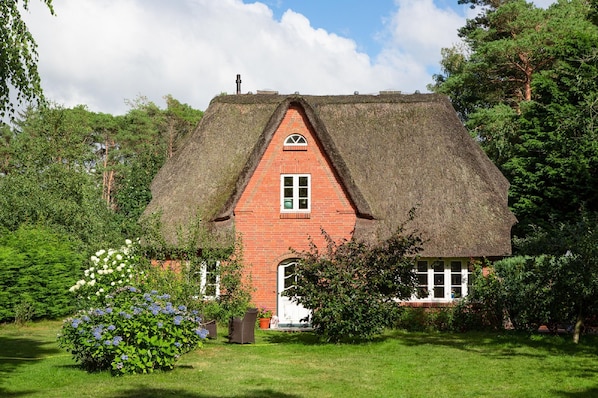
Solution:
(267, 234)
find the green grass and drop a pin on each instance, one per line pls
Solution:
(293, 365)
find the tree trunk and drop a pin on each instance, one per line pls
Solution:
(578, 326)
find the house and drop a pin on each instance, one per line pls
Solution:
(279, 168)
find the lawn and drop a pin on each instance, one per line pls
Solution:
(398, 364)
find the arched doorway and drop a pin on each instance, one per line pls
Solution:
(289, 312)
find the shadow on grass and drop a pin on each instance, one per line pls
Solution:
(309, 338)
(504, 343)
(511, 345)
(589, 393)
(145, 392)
(16, 352)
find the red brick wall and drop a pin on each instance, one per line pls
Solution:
(267, 236)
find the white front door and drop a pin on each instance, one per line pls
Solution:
(289, 312)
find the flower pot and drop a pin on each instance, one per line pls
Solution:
(264, 323)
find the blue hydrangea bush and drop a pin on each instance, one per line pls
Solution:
(133, 332)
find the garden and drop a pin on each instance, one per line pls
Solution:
(127, 328)
(396, 363)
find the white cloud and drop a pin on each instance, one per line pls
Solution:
(100, 53)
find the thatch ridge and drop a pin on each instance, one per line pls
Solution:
(391, 153)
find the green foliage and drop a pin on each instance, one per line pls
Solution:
(526, 86)
(556, 285)
(134, 332)
(351, 288)
(570, 272)
(84, 173)
(58, 198)
(37, 266)
(538, 291)
(416, 319)
(49, 176)
(180, 267)
(484, 306)
(18, 58)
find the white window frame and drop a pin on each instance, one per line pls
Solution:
(204, 274)
(450, 290)
(295, 140)
(295, 198)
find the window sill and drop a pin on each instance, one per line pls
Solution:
(294, 148)
(295, 216)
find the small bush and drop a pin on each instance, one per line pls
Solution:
(134, 332)
(415, 319)
(483, 308)
(351, 288)
(24, 312)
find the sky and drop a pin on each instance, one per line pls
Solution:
(105, 54)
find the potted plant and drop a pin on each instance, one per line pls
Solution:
(264, 315)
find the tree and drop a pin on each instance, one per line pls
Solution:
(18, 58)
(48, 176)
(525, 84)
(351, 288)
(570, 250)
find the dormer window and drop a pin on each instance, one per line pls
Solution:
(295, 140)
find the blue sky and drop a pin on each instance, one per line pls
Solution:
(104, 53)
(358, 19)
(361, 20)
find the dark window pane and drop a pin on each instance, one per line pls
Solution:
(422, 266)
(289, 270)
(288, 192)
(303, 203)
(455, 266)
(303, 181)
(438, 266)
(456, 279)
(422, 279)
(422, 292)
(289, 282)
(438, 279)
(303, 192)
(456, 292)
(438, 292)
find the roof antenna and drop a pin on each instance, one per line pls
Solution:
(238, 81)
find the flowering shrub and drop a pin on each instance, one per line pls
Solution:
(110, 270)
(133, 332)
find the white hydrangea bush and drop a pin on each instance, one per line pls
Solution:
(109, 270)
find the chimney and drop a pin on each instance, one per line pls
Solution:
(238, 81)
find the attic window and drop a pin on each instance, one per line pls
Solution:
(295, 140)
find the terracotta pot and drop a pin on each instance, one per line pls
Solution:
(264, 323)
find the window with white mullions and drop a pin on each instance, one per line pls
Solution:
(442, 280)
(438, 267)
(456, 279)
(209, 274)
(295, 192)
(295, 140)
(422, 279)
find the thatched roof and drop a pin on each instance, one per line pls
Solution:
(392, 152)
